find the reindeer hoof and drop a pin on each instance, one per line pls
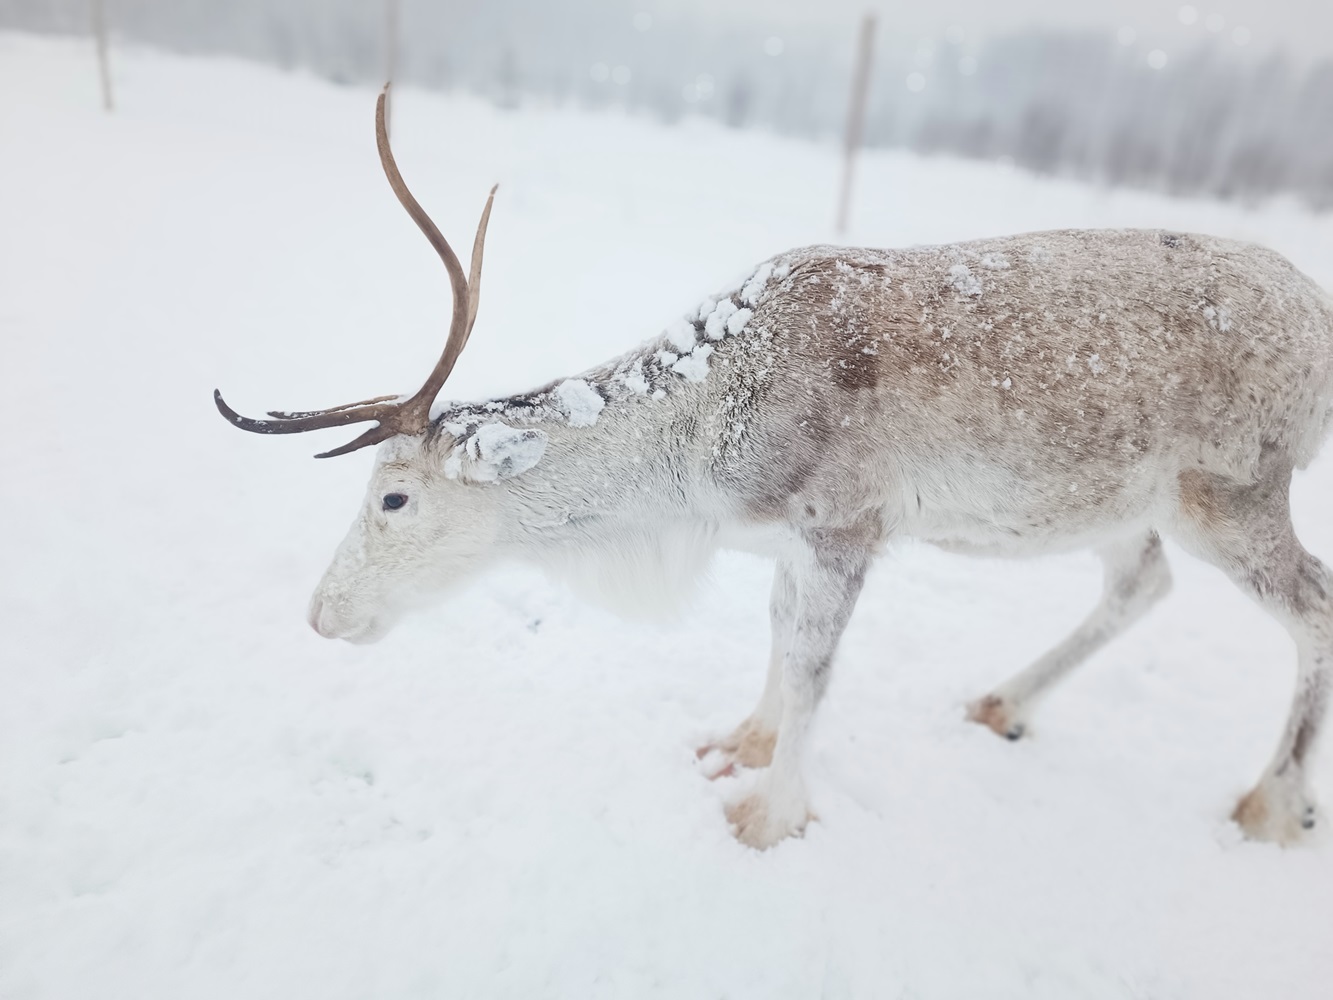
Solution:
(757, 824)
(1274, 812)
(998, 716)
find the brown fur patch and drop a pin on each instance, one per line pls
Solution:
(1198, 499)
(856, 364)
(770, 500)
(804, 451)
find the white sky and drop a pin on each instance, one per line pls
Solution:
(1304, 27)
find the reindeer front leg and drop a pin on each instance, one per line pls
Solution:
(751, 743)
(828, 573)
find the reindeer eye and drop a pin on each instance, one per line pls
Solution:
(393, 501)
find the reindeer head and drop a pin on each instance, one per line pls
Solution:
(419, 530)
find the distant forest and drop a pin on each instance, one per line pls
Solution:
(1212, 120)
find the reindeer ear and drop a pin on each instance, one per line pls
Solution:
(496, 451)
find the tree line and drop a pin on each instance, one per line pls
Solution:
(1208, 120)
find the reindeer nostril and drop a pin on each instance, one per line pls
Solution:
(316, 612)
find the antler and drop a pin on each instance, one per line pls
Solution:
(394, 414)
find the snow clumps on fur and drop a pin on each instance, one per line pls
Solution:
(579, 402)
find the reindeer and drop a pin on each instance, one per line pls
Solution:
(1030, 394)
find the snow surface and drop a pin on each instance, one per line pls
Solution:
(199, 798)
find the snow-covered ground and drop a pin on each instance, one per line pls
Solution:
(199, 798)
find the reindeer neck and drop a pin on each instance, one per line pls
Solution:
(618, 439)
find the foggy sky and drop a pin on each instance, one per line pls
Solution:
(1303, 27)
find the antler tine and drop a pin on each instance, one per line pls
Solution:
(373, 435)
(417, 409)
(298, 414)
(311, 421)
(474, 277)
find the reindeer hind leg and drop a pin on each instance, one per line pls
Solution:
(1136, 577)
(1246, 531)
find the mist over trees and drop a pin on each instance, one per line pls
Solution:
(1211, 120)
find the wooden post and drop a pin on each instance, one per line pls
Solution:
(856, 114)
(390, 56)
(103, 59)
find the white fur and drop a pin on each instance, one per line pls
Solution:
(639, 571)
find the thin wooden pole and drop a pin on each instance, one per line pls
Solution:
(103, 58)
(390, 55)
(856, 114)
